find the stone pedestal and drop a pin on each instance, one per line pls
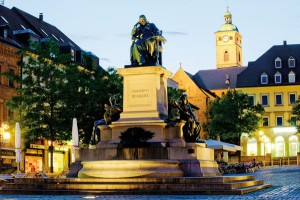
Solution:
(145, 105)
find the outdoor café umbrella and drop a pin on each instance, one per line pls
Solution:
(18, 144)
(74, 138)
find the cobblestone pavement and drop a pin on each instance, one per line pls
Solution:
(285, 182)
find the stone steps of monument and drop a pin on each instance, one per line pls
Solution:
(216, 179)
(137, 186)
(182, 185)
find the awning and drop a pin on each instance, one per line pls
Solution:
(218, 145)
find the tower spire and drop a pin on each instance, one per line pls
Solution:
(2, 2)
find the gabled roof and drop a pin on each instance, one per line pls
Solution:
(20, 22)
(251, 76)
(216, 78)
(43, 29)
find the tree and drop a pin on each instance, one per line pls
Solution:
(296, 112)
(230, 116)
(52, 91)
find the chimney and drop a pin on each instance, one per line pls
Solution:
(41, 17)
(284, 42)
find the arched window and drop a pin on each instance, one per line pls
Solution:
(278, 62)
(292, 62)
(279, 146)
(226, 56)
(292, 77)
(293, 140)
(252, 147)
(265, 145)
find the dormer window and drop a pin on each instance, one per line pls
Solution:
(277, 77)
(5, 33)
(278, 62)
(292, 77)
(264, 78)
(292, 62)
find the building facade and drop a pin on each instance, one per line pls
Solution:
(17, 28)
(273, 80)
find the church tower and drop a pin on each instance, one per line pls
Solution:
(228, 44)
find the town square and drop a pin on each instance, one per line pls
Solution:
(147, 100)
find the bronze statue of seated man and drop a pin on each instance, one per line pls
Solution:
(146, 43)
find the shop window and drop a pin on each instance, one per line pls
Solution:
(278, 62)
(293, 147)
(251, 147)
(292, 98)
(279, 146)
(277, 77)
(278, 99)
(292, 62)
(279, 121)
(264, 78)
(292, 77)
(265, 121)
(265, 146)
(264, 100)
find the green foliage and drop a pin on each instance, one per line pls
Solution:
(135, 137)
(296, 112)
(174, 94)
(53, 91)
(232, 115)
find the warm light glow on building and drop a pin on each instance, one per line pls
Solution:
(285, 130)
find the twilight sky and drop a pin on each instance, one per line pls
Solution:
(104, 26)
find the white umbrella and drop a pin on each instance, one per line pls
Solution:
(18, 144)
(74, 138)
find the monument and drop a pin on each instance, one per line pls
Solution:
(160, 155)
(173, 150)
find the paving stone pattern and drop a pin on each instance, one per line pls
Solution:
(285, 181)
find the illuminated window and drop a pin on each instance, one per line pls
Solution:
(251, 147)
(293, 140)
(292, 62)
(277, 62)
(265, 146)
(292, 77)
(279, 146)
